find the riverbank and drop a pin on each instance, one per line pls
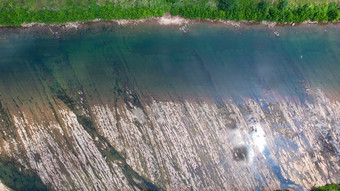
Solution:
(185, 26)
(13, 13)
(167, 19)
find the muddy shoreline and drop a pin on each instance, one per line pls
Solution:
(64, 30)
(165, 20)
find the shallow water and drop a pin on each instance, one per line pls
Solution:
(210, 60)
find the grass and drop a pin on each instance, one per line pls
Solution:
(66, 4)
(329, 187)
(35, 5)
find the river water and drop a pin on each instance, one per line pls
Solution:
(209, 60)
(216, 62)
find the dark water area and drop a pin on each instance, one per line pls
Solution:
(209, 61)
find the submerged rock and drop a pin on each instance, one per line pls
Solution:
(190, 112)
(178, 144)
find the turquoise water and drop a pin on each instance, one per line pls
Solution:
(209, 61)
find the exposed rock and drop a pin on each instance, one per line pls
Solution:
(181, 145)
(3, 187)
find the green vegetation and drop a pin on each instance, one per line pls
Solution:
(329, 187)
(280, 11)
(13, 177)
(16, 12)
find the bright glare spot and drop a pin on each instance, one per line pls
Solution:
(257, 139)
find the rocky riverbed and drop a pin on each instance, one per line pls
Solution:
(115, 113)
